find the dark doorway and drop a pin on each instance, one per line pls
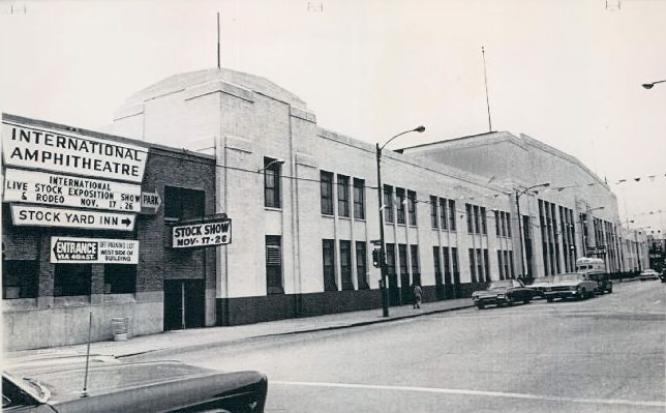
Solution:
(184, 304)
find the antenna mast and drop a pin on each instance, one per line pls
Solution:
(218, 40)
(485, 78)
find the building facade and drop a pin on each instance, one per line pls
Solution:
(77, 240)
(304, 202)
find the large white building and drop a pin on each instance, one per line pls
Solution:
(304, 204)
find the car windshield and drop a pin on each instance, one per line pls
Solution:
(568, 277)
(501, 284)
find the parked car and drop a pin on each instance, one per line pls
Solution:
(165, 386)
(574, 285)
(539, 286)
(649, 274)
(503, 292)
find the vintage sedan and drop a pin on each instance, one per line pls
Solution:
(539, 286)
(503, 292)
(577, 286)
(649, 274)
(165, 386)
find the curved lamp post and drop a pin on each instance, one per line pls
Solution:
(383, 284)
(651, 85)
(520, 223)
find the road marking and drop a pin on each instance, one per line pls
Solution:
(473, 393)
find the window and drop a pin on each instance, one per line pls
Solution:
(484, 226)
(119, 279)
(414, 255)
(486, 263)
(454, 265)
(272, 171)
(182, 203)
(326, 184)
(497, 223)
(274, 265)
(72, 279)
(468, 213)
(402, 256)
(361, 265)
(499, 264)
(388, 204)
(452, 215)
(508, 224)
(411, 207)
(437, 265)
(329, 265)
(345, 265)
(343, 196)
(433, 212)
(513, 274)
(19, 279)
(507, 270)
(400, 200)
(472, 265)
(359, 198)
(503, 223)
(447, 267)
(442, 214)
(477, 227)
(479, 265)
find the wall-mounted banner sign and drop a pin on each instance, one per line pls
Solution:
(71, 218)
(205, 234)
(94, 251)
(150, 202)
(38, 148)
(54, 189)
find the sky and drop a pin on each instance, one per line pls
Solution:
(566, 72)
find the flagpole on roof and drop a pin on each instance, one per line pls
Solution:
(218, 40)
(485, 79)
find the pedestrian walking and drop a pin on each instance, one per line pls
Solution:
(418, 295)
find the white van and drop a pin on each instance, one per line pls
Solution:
(595, 269)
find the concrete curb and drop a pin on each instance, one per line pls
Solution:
(210, 345)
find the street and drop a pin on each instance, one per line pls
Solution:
(604, 354)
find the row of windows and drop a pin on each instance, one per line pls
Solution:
(442, 213)
(551, 248)
(329, 261)
(502, 224)
(450, 264)
(479, 267)
(505, 264)
(476, 219)
(344, 199)
(401, 203)
(568, 232)
(20, 279)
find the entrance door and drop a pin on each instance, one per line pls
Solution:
(184, 303)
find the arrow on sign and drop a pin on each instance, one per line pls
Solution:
(150, 202)
(126, 221)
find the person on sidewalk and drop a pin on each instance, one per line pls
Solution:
(418, 295)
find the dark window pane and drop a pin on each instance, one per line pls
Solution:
(388, 204)
(472, 265)
(400, 201)
(433, 212)
(359, 198)
(442, 213)
(326, 179)
(328, 252)
(343, 196)
(274, 264)
(72, 279)
(119, 279)
(345, 265)
(411, 207)
(414, 256)
(19, 279)
(272, 172)
(361, 265)
(452, 215)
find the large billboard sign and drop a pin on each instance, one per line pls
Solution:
(71, 218)
(68, 250)
(32, 147)
(61, 190)
(205, 234)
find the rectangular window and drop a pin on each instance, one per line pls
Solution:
(183, 203)
(497, 223)
(19, 279)
(486, 263)
(400, 200)
(507, 270)
(416, 271)
(388, 204)
(472, 265)
(454, 265)
(513, 274)
(442, 214)
(411, 207)
(479, 265)
(503, 223)
(274, 265)
(433, 212)
(484, 224)
(452, 215)
(402, 256)
(343, 196)
(359, 199)
(477, 227)
(326, 184)
(447, 266)
(329, 265)
(72, 279)
(508, 224)
(346, 265)
(361, 265)
(437, 265)
(272, 169)
(499, 264)
(119, 279)
(468, 212)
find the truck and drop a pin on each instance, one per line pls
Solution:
(595, 269)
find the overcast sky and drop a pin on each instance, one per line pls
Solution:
(566, 72)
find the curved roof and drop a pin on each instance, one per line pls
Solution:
(186, 80)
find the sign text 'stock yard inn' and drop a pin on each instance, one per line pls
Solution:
(206, 234)
(37, 148)
(24, 215)
(94, 251)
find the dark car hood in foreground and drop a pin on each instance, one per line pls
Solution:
(140, 386)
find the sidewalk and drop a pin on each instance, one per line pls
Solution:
(176, 341)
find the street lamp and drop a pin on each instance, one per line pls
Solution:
(383, 284)
(520, 223)
(582, 230)
(651, 85)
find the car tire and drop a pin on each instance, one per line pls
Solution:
(610, 290)
(527, 300)
(480, 306)
(581, 295)
(550, 299)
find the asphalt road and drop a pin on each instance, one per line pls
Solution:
(605, 354)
